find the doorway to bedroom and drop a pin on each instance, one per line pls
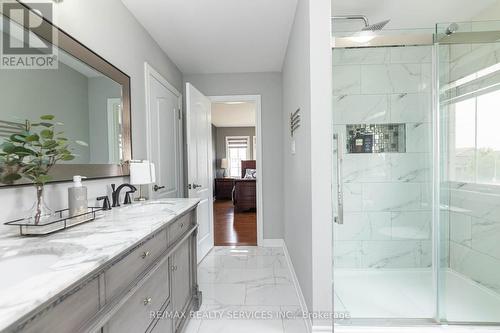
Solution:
(234, 151)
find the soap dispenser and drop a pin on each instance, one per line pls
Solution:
(77, 197)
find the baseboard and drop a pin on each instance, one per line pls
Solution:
(302, 300)
(272, 242)
(322, 329)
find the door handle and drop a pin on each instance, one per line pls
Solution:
(339, 219)
(195, 186)
(156, 188)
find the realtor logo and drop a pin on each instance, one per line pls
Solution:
(28, 37)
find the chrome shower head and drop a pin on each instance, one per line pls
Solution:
(452, 28)
(368, 26)
(376, 26)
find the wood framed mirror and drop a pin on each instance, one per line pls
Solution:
(66, 79)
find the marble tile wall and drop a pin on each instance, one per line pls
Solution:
(387, 196)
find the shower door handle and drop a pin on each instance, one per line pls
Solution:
(339, 219)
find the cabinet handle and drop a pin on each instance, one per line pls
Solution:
(145, 254)
(147, 301)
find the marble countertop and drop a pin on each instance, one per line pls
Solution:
(35, 269)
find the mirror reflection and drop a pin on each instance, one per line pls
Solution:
(88, 103)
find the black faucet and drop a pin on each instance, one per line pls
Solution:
(116, 194)
(105, 205)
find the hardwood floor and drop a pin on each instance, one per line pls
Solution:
(232, 228)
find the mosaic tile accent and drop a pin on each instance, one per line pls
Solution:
(377, 138)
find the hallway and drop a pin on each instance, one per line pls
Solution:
(234, 228)
(253, 283)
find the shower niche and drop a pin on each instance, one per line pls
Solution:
(376, 138)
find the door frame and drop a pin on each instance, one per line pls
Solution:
(150, 71)
(258, 133)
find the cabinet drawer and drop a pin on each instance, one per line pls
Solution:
(178, 228)
(69, 314)
(122, 273)
(164, 323)
(135, 315)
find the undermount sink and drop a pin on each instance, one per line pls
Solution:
(19, 268)
(148, 207)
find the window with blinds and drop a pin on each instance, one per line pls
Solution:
(237, 150)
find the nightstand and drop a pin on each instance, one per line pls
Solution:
(224, 188)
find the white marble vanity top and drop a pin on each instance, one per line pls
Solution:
(35, 269)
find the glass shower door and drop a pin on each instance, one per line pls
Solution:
(469, 113)
(382, 111)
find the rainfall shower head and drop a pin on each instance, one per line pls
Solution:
(368, 26)
(452, 28)
(376, 26)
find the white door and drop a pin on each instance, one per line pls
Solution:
(164, 127)
(199, 159)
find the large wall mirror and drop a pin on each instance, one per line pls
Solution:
(88, 95)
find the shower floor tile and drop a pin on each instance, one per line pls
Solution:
(409, 294)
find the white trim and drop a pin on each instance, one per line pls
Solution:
(322, 329)
(302, 300)
(149, 71)
(258, 130)
(113, 153)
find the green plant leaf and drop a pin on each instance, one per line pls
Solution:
(49, 144)
(47, 117)
(42, 179)
(22, 151)
(47, 134)
(11, 178)
(33, 138)
(8, 147)
(67, 157)
(19, 138)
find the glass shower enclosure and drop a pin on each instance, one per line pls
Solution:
(416, 237)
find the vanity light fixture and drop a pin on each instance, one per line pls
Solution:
(142, 173)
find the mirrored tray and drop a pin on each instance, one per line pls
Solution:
(57, 222)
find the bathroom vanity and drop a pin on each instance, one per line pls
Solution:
(132, 270)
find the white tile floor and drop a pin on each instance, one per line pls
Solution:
(246, 289)
(250, 289)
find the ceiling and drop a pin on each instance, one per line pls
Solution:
(233, 115)
(219, 36)
(409, 14)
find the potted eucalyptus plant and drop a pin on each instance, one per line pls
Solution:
(30, 154)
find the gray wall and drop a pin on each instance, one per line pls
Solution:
(297, 193)
(307, 177)
(114, 34)
(268, 85)
(28, 94)
(222, 133)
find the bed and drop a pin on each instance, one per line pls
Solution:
(245, 192)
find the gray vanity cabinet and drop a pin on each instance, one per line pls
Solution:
(168, 285)
(164, 324)
(135, 315)
(144, 289)
(181, 280)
